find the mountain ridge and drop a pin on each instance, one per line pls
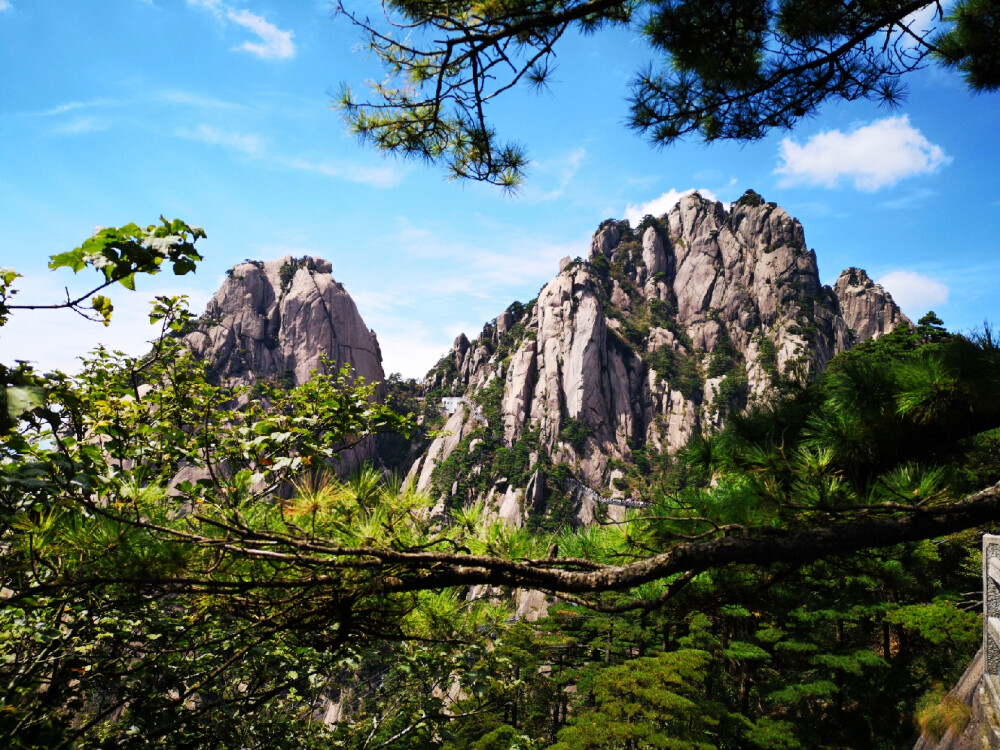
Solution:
(656, 335)
(659, 333)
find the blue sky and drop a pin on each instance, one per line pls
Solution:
(218, 112)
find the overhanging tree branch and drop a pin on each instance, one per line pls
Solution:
(728, 69)
(317, 566)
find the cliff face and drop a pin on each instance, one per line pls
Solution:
(278, 320)
(866, 307)
(659, 333)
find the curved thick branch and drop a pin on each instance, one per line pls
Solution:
(361, 571)
(757, 547)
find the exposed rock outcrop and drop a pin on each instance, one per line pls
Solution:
(867, 308)
(662, 331)
(279, 320)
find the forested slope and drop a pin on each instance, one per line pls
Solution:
(806, 575)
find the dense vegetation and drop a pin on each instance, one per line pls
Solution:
(177, 569)
(850, 651)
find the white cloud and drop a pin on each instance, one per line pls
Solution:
(191, 99)
(211, 5)
(874, 156)
(912, 199)
(274, 44)
(75, 105)
(255, 147)
(169, 97)
(663, 204)
(407, 346)
(923, 22)
(564, 169)
(925, 19)
(79, 125)
(250, 145)
(914, 292)
(443, 284)
(381, 177)
(479, 270)
(429, 244)
(5, 5)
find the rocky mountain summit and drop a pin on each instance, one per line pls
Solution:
(568, 400)
(659, 333)
(865, 306)
(279, 320)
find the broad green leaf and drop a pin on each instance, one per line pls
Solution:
(72, 259)
(23, 398)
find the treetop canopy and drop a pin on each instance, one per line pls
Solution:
(725, 69)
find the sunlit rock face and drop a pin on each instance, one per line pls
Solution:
(280, 320)
(659, 333)
(867, 309)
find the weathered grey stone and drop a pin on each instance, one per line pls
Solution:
(653, 254)
(605, 240)
(509, 507)
(620, 299)
(867, 309)
(660, 337)
(741, 277)
(505, 321)
(534, 492)
(279, 320)
(517, 391)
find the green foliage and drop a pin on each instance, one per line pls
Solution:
(646, 222)
(725, 357)
(180, 569)
(751, 199)
(721, 69)
(818, 648)
(600, 266)
(941, 624)
(767, 356)
(654, 702)
(124, 620)
(483, 457)
(970, 44)
(403, 397)
(680, 370)
(288, 270)
(575, 432)
(286, 273)
(930, 329)
(118, 254)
